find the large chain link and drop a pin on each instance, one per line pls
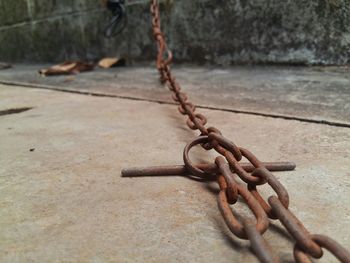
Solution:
(229, 166)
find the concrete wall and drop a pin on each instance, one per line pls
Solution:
(201, 31)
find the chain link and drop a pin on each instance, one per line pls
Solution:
(228, 165)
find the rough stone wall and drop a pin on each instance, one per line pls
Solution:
(220, 32)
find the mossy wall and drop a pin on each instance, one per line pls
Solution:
(220, 32)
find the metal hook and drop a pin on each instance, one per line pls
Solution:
(117, 7)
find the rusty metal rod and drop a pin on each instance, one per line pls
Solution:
(211, 168)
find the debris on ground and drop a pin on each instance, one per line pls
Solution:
(112, 62)
(75, 67)
(67, 68)
(5, 66)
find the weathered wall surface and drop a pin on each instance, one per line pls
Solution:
(198, 31)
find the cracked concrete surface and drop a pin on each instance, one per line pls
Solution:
(313, 94)
(63, 200)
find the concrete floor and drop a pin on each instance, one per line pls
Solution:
(317, 94)
(63, 199)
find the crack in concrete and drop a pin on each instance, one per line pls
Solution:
(237, 111)
(14, 111)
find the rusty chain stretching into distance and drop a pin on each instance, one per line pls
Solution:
(228, 166)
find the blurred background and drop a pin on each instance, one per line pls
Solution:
(204, 32)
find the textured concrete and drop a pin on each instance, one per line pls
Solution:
(65, 201)
(199, 31)
(318, 94)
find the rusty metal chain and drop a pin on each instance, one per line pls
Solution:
(228, 165)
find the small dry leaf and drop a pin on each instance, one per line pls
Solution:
(111, 62)
(67, 68)
(5, 66)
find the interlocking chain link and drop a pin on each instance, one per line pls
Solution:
(229, 166)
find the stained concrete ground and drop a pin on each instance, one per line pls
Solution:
(318, 94)
(62, 196)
